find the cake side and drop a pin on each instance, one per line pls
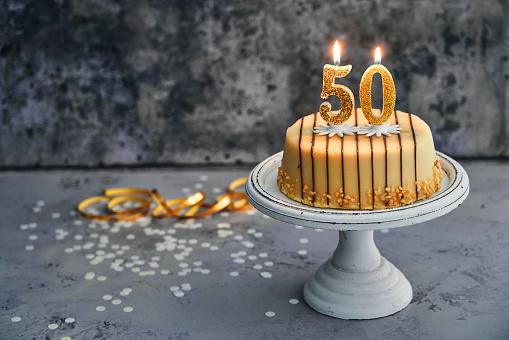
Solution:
(359, 172)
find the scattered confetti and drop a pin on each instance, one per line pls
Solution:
(116, 302)
(293, 301)
(266, 275)
(101, 278)
(65, 338)
(69, 320)
(128, 309)
(234, 274)
(16, 319)
(55, 215)
(89, 276)
(270, 314)
(107, 297)
(29, 247)
(178, 293)
(53, 326)
(100, 308)
(303, 240)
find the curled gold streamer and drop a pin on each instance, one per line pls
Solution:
(188, 207)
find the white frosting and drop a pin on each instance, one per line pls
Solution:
(378, 130)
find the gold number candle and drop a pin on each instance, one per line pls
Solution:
(389, 91)
(330, 73)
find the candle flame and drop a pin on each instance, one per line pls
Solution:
(378, 55)
(337, 53)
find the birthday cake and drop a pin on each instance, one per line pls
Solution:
(355, 171)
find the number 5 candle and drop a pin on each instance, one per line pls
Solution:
(330, 73)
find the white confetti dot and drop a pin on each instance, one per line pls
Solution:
(270, 314)
(36, 209)
(384, 231)
(29, 247)
(205, 271)
(234, 274)
(198, 186)
(224, 214)
(128, 309)
(101, 278)
(263, 255)
(182, 273)
(251, 231)
(32, 237)
(78, 222)
(127, 289)
(89, 275)
(53, 326)
(100, 308)
(69, 320)
(224, 225)
(302, 252)
(164, 272)
(107, 297)
(266, 275)
(55, 215)
(32, 225)
(130, 236)
(299, 227)
(258, 234)
(183, 265)
(116, 302)
(204, 178)
(65, 338)
(248, 244)
(268, 264)
(40, 203)
(318, 230)
(293, 301)
(23, 226)
(16, 319)
(257, 266)
(238, 237)
(251, 212)
(214, 248)
(252, 257)
(186, 286)
(178, 293)
(174, 288)
(303, 240)
(205, 245)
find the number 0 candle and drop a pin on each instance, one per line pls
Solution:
(330, 73)
(389, 91)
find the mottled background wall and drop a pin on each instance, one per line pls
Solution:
(179, 82)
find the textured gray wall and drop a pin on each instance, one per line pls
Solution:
(145, 82)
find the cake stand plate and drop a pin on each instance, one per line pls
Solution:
(356, 282)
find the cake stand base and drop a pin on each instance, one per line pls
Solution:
(357, 283)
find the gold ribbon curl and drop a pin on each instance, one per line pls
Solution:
(190, 207)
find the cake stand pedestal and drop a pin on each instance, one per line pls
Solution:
(356, 282)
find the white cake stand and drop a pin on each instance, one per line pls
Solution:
(356, 283)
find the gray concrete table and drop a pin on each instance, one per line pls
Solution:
(237, 275)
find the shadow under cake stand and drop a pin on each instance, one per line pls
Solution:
(356, 282)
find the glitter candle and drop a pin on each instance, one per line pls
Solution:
(330, 73)
(389, 91)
